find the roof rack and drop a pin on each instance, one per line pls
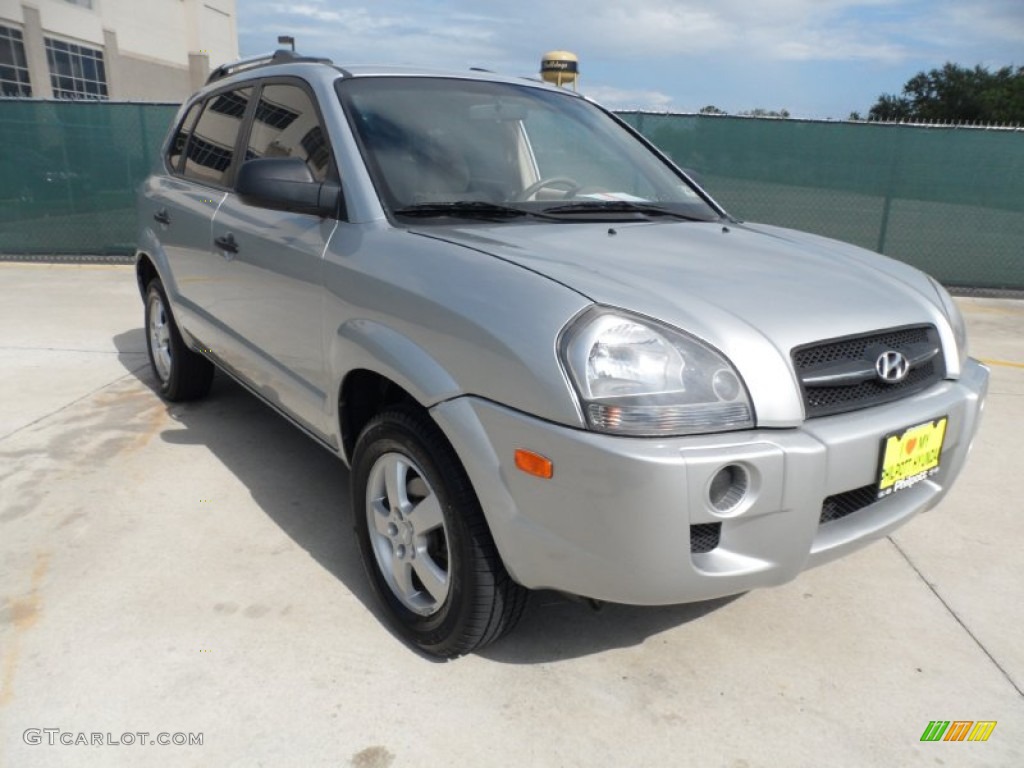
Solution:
(282, 56)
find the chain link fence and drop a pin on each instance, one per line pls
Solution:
(68, 173)
(947, 200)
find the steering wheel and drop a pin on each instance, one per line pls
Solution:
(571, 185)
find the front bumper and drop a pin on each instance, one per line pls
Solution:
(614, 523)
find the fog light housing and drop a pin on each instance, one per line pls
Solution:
(728, 488)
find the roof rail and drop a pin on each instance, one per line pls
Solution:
(264, 60)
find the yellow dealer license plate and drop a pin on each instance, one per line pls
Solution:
(910, 456)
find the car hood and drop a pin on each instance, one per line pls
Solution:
(752, 291)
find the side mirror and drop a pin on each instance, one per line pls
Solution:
(285, 184)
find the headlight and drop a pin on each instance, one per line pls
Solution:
(956, 320)
(637, 377)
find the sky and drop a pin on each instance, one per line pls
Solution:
(815, 58)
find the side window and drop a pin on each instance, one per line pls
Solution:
(286, 125)
(211, 147)
(177, 148)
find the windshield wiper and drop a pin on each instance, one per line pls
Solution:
(464, 208)
(618, 206)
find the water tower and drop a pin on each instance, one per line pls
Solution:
(560, 68)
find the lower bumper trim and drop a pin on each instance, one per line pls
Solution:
(840, 505)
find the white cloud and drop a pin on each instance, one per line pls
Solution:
(780, 30)
(654, 28)
(832, 47)
(624, 98)
(453, 31)
(392, 32)
(983, 23)
(662, 54)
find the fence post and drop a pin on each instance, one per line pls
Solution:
(143, 138)
(894, 162)
(64, 127)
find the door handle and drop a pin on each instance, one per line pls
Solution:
(162, 216)
(227, 243)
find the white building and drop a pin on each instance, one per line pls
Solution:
(139, 50)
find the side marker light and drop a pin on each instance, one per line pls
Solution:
(534, 464)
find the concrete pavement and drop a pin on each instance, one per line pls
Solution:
(189, 569)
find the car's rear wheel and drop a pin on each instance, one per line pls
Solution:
(425, 544)
(181, 373)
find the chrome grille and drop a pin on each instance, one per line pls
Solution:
(853, 347)
(825, 400)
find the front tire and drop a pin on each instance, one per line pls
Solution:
(181, 373)
(425, 545)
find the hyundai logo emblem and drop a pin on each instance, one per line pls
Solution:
(892, 367)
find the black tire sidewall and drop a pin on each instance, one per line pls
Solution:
(190, 373)
(441, 632)
(170, 385)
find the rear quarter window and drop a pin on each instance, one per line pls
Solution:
(176, 150)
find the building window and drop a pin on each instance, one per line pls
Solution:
(315, 145)
(274, 115)
(232, 104)
(83, 3)
(76, 72)
(177, 148)
(14, 80)
(287, 125)
(209, 155)
(211, 147)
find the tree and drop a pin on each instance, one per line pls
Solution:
(890, 108)
(761, 112)
(957, 94)
(711, 109)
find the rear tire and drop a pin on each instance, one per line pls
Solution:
(425, 544)
(181, 373)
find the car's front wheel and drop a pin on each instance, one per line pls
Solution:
(181, 373)
(425, 544)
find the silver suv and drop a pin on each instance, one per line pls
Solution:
(550, 359)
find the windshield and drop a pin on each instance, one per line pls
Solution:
(432, 145)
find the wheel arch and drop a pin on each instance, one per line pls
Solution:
(151, 261)
(363, 394)
(145, 271)
(382, 367)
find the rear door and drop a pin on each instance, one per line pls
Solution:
(201, 165)
(178, 223)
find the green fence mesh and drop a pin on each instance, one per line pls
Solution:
(948, 200)
(68, 173)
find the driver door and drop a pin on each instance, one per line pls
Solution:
(274, 297)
